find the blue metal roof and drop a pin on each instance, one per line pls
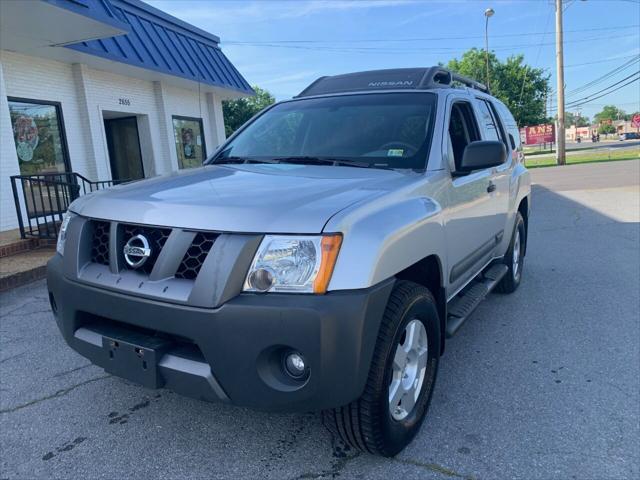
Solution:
(157, 41)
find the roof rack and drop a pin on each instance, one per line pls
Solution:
(469, 82)
(392, 79)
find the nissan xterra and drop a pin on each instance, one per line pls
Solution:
(318, 259)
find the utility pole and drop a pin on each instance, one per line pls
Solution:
(560, 135)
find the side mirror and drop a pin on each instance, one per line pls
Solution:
(482, 154)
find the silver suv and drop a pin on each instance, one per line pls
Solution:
(316, 262)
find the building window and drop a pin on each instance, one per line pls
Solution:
(190, 145)
(38, 132)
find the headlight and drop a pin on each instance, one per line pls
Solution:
(62, 234)
(297, 264)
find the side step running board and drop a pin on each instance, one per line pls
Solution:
(462, 305)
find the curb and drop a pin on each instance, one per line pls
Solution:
(22, 278)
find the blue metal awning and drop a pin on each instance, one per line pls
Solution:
(162, 43)
(26, 27)
(99, 10)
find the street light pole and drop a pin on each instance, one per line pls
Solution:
(560, 130)
(487, 13)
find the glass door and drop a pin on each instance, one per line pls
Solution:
(123, 143)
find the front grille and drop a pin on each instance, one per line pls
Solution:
(156, 237)
(100, 242)
(189, 266)
(196, 255)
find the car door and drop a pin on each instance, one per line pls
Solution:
(501, 175)
(471, 224)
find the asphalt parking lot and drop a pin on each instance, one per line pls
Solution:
(544, 383)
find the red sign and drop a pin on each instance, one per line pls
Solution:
(635, 121)
(540, 134)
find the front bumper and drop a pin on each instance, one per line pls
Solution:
(230, 353)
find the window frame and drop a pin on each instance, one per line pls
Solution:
(496, 121)
(471, 115)
(61, 127)
(204, 142)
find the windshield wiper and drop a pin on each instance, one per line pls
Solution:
(322, 161)
(222, 160)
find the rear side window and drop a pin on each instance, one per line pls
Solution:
(510, 125)
(490, 122)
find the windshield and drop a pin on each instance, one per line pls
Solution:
(387, 130)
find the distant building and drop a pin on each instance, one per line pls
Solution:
(572, 133)
(110, 89)
(624, 126)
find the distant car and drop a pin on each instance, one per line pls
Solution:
(629, 136)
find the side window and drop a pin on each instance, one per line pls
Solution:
(462, 130)
(511, 127)
(491, 126)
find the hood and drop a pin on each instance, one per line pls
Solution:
(260, 198)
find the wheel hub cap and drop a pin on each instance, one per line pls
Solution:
(408, 370)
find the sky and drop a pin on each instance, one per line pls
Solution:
(283, 46)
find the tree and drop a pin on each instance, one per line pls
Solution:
(519, 86)
(237, 112)
(609, 112)
(578, 120)
(606, 128)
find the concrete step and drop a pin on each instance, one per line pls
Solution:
(12, 244)
(24, 267)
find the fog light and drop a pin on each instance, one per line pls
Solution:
(262, 279)
(294, 364)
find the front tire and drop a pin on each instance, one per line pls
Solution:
(514, 258)
(401, 379)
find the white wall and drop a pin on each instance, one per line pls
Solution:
(39, 79)
(84, 93)
(9, 161)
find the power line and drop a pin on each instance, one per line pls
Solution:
(598, 61)
(590, 98)
(400, 50)
(635, 74)
(524, 78)
(605, 94)
(425, 39)
(604, 77)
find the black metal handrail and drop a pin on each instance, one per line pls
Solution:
(45, 198)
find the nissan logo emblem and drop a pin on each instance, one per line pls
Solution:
(137, 251)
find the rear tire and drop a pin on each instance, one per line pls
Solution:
(514, 258)
(376, 422)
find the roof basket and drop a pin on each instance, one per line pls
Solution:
(436, 77)
(469, 82)
(392, 79)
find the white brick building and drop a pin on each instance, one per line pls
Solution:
(108, 89)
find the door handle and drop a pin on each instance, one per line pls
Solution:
(491, 187)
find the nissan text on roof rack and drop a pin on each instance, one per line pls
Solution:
(317, 261)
